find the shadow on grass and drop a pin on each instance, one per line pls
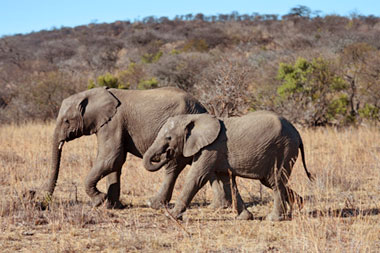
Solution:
(255, 201)
(206, 219)
(344, 213)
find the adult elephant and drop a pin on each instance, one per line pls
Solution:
(124, 121)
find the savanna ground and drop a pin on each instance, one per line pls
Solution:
(341, 213)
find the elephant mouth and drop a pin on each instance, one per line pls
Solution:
(156, 158)
(154, 161)
(72, 136)
(169, 153)
(166, 154)
(163, 157)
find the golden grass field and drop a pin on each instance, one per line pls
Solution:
(341, 213)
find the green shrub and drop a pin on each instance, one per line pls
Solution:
(151, 58)
(315, 90)
(148, 84)
(370, 112)
(308, 78)
(107, 80)
(175, 51)
(131, 77)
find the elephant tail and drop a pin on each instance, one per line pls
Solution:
(309, 175)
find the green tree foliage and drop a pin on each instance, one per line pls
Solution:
(131, 76)
(316, 88)
(370, 112)
(148, 84)
(151, 58)
(107, 80)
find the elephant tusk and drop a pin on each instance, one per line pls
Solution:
(60, 145)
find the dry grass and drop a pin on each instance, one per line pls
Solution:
(342, 211)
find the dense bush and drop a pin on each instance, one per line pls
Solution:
(182, 70)
(312, 93)
(318, 93)
(41, 98)
(223, 87)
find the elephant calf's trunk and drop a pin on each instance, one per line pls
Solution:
(147, 161)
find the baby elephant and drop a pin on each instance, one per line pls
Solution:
(260, 145)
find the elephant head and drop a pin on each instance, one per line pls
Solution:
(183, 135)
(81, 114)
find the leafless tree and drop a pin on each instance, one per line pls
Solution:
(224, 88)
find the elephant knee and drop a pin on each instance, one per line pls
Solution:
(90, 186)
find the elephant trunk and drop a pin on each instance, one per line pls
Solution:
(148, 161)
(55, 163)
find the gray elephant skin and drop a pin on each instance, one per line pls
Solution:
(260, 145)
(124, 121)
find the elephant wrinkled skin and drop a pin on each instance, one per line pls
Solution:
(259, 145)
(123, 121)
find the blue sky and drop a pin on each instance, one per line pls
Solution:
(24, 16)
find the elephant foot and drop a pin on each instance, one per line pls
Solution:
(275, 217)
(245, 215)
(177, 215)
(115, 205)
(155, 203)
(40, 201)
(99, 199)
(220, 204)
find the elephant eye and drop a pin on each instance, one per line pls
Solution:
(168, 138)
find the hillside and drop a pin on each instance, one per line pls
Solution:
(316, 70)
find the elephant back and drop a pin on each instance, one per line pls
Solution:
(146, 111)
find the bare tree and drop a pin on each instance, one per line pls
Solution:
(223, 88)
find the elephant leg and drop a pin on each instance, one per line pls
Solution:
(195, 180)
(279, 205)
(106, 163)
(290, 197)
(243, 213)
(164, 195)
(113, 190)
(294, 199)
(221, 187)
(280, 198)
(97, 172)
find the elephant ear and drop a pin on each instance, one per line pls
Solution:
(201, 131)
(97, 107)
